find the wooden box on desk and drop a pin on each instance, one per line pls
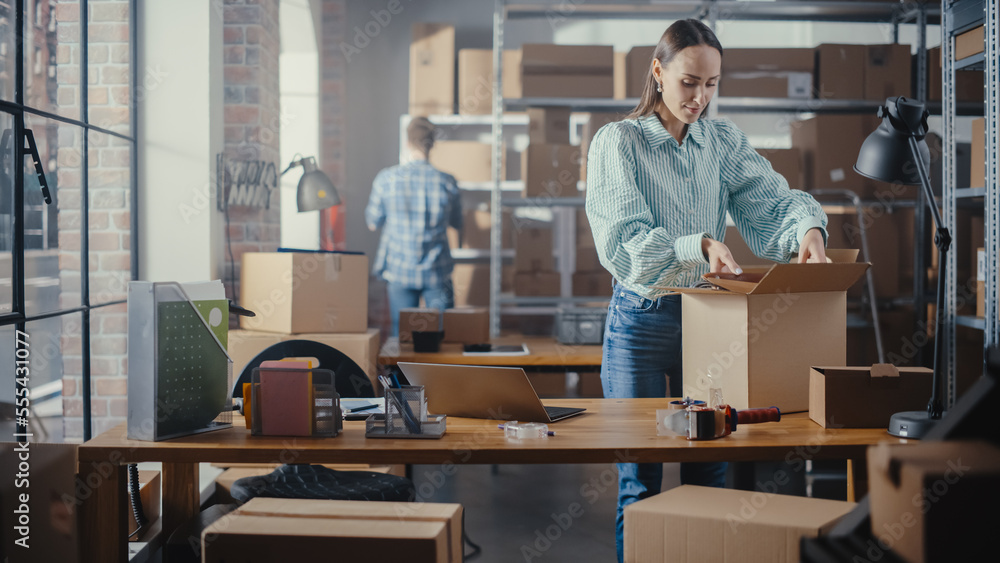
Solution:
(291, 528)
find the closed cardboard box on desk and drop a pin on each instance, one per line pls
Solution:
(432, 69)
(297, 292)
(709, 525)
(865, 397)
(468, 325)
(935, 501)
(419, 319)
(567, 71)
(758, 338)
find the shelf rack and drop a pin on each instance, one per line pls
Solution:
(919, 13)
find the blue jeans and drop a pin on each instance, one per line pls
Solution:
(403, 297)
(642, 344)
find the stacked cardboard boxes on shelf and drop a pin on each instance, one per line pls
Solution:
(590, 279)
(535, 273)
(768, 73)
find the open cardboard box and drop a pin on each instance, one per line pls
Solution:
(757, 335)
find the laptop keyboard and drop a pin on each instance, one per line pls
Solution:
(556, 412)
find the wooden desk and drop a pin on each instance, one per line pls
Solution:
(544, 354)
(611, 430)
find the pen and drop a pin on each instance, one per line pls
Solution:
(362, 408)
(551, 432)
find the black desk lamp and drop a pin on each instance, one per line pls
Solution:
(896, 152)
(315, 190)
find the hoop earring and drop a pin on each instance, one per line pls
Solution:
(658, 87)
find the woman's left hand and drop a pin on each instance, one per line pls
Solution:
(812, 248)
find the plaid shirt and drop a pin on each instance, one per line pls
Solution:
(416, 203)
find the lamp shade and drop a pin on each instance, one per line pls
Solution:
(315, 190)
(885, 155)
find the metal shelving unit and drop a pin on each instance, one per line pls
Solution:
(956, 18)
(895, 13)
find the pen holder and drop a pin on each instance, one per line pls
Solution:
(405, 416)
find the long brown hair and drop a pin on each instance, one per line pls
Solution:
(680, 35)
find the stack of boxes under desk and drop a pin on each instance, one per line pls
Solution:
(317, 296)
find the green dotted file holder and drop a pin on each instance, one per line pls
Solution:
(179, 370)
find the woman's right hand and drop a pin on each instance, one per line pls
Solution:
(719, 257)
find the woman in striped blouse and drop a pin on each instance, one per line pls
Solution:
(659, 184)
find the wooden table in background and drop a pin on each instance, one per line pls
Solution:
(544, 354)
(611, 430)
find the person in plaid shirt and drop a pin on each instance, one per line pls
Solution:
(415, 204)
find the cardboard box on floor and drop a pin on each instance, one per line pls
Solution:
(432, 69)
(302, 292)
(467, 325)
(550, 170)
(710, 525)
(362, 347)
(567, 71)
(865, 397)
(924, 498)
(475, 79)
(417, 319)
(840, 72)
(278, 530)
(887, 71)
(758, 339)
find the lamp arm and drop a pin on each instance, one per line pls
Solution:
(942, 240)
(296, 160)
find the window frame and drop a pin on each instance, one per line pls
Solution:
(17, 317)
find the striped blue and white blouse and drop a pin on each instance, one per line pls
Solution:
(651, 201)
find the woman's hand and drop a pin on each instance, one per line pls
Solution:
(719, 257)
(812, 248)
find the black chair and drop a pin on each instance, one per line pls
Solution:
(301, 480)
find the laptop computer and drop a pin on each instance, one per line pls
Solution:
(500, 393)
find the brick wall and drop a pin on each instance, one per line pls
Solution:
(252, 119)
(109, 107)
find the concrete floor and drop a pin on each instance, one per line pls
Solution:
(543, 513)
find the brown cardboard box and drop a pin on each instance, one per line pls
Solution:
(475, 79)
(788, 163)
(471, 285)
(970, 43)
(923, 499)
(277, 539)
(548, 125)
(758, 341)
(829, 145)
(548, 384)
(467, 325)
(537, 284)
(592, 284)
(362, 347)
(533, 250)
(467, 161)
(768, 60)
(432, 69)
(550, 170)
(968, 83)
(419, 319)
(567, 71)
(476, 231)
(149, 495)
(224, 482)
(980, 283)
(595, 121)
(342, 510)
(587, 259)
(840, 72)
(887, 71)
(297, 292)
(977, 173)
(865, 397)
(637, 67)
(706, 524)
(619, 74)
